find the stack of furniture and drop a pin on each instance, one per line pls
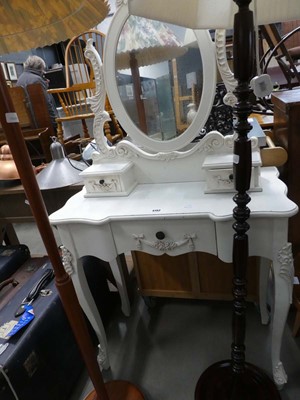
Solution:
(286, 134)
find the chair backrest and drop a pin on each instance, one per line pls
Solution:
(22, 107)
(39, 107)
(78, 69)
(31, 108)
(287, 27)
(273, 37)
(278, 49)
(20, 103)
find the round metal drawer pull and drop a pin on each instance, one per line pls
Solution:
(160, 235)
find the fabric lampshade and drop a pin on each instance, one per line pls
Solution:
(212, 14)
(38, 23)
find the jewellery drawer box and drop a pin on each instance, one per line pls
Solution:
(109, 179)
(219, 173)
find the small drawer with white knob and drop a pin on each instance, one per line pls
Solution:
(219, 173)
(109, 179)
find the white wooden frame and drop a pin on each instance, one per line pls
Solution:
(4, 69)
(12, 72)
(207, 50)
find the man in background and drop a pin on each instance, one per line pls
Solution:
(34, 69)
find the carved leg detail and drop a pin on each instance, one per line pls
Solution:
(287, 271)
(283, 282)
(75, 269)
(102, 357)
(280, 376)
(66, 258)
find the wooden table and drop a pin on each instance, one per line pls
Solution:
(14, 207)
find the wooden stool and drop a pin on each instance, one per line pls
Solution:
(296, 302)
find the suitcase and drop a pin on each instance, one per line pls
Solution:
(42, 361)
(10, 287)
(11, 258)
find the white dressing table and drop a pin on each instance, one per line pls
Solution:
(152, 196)
(190, 221)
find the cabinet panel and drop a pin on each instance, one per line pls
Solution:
(194, 275)
(286, 134)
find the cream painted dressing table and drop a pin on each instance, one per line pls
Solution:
(170, 197)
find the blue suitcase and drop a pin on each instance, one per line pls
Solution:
(11, 258)
(42, 361)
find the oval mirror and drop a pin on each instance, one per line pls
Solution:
(160, 80)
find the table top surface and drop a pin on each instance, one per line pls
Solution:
(18, 188)
(176, 200)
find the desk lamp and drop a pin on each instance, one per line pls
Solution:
(25, 25)
(61, 171)
(232, 379)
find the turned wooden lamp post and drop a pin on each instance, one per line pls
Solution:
(232, 379)
(30, 24)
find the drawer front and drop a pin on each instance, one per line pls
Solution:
(173, 237)
(221, 180)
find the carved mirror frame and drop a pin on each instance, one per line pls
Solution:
(207, 51)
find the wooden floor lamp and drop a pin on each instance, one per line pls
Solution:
(232, 379)
(81, 12)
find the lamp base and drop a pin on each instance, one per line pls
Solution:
(119, 390)
(218, 383)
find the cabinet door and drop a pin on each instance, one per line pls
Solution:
(167, 276)
(216, 276)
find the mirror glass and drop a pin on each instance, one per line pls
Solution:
(160, 80)
(159, 75)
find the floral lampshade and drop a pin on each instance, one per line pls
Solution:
(150, 41)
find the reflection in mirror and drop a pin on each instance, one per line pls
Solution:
(159, 76)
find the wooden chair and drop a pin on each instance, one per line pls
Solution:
(80, 85)
(279, 50)
(37, 131)
(291, 31)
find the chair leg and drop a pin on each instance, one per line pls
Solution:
(85, 129)
(60, 132)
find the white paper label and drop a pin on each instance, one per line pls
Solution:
(236, 159)
(296, 280)
(11, 118)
